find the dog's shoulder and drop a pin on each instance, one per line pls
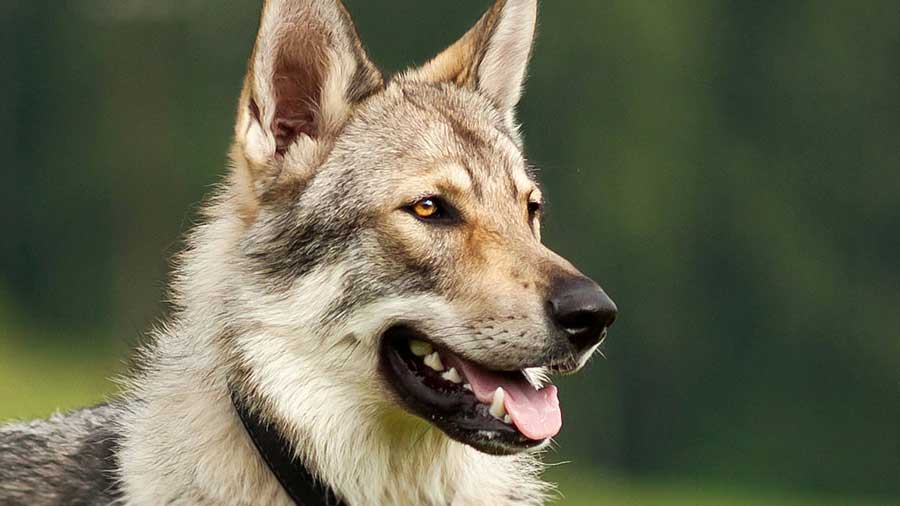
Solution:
(69, 457)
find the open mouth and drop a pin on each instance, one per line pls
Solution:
(497, 412)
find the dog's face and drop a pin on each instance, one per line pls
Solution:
(400, 223)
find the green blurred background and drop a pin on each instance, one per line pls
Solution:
(729, 170)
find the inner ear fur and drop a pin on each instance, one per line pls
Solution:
(307, 71)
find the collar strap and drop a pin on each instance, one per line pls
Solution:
(275, 450)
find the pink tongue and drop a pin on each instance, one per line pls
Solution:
(534, 412)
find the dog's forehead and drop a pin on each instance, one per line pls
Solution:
(450, 133)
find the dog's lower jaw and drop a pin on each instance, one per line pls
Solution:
(184, 444)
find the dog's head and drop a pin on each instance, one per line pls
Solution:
(390, 252)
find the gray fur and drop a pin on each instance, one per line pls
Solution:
(67, 459)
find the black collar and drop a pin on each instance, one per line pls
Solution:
(275, 450)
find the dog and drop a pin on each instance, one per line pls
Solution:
(365, 314)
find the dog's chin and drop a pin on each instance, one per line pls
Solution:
(459, 397)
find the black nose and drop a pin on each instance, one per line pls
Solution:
(582, 309)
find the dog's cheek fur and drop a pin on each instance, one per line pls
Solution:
(325, 391)
(283, 245)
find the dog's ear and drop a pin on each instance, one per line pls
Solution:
(492, 57)
(307, 71)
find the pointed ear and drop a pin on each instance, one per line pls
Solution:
(307, 71)
(492, 57)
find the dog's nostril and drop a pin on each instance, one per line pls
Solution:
(582, 309)
(577, 320)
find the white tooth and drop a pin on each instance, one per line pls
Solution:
(498, 410)
(420, 348)
(434, 361)
(452, 376)
(507, 420)
(467, 387)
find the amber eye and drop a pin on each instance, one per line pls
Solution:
(434, 210)
(426, 208)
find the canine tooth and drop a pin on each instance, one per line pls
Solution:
(420, 348)
(507, 420)
(467, 387)
(498, 410)
(434, 361)
(452, 376)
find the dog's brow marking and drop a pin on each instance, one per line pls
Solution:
(512, 163)
(470, 174)
(519, 179)
(458, 178)
(535, 194)
(474, 142)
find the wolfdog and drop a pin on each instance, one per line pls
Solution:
(365, 315)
